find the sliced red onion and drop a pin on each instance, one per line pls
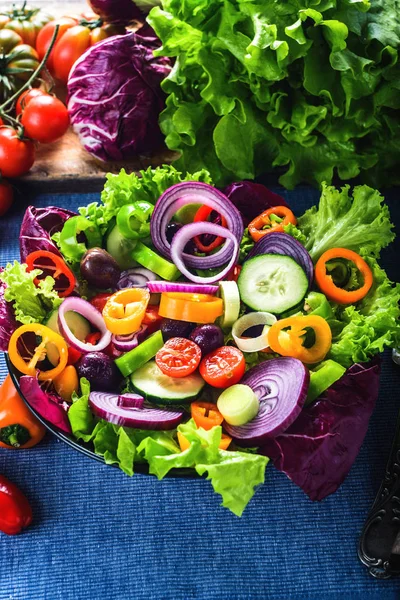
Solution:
(194, 192)
(130, 401)
(84, 308)
(283, 243)
(106, 407)
(187, 232)
(281, 386)
(125, 343)
(187, 288)
(137, 277)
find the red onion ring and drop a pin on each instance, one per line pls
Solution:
(194, 192)
(125, 343)
(158, 287)
(187, 232)
(136, 277)
(84, 308)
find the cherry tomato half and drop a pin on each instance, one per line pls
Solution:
(6, 197)
(178, 357)
(26, 97)
(223, 367)
(45, 119)
(16, 156)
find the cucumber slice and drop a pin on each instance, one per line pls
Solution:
(229, 292)
(149, 381)
(238, 404)
(272, 283)
(187, 213)
(79, 326)
(120, 249)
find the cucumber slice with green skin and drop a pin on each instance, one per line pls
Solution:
(272, 283)
(120, 248)
(238, 404)
(151, 383)
(79, 326)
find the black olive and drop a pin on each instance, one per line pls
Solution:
(100, 269)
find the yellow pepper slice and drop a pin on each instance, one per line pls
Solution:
(193, 308)
(290, 342)
(124, 311)
(48, 336)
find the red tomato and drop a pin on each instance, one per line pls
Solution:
(223, 367)
(99, 301)
(45, 119)
(73, 356)
(178, 357)
(16, 155)
(68, 49)
(152, 319)
(45, 35)
(6, 197)
(234, 273)
(26, 97)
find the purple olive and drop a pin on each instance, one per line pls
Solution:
(100, 269)
(171, 328)
(101, 372)
(208, 338)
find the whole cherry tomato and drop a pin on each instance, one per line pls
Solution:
(45, 35)
(45, 119)
(6, 196)
(26, 97)
(16, 155)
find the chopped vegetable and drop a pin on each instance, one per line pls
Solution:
(19, 428)
(48, 406)
(327, 284)
(38, 227)
(206, 415)
(52, 265)
(155, 263)
(223, 367)
(317, 304)
(178, 357)
(198, 308)
(254, 319)
(71, 249)
(133, 220)
(272, 220)
(125, 310)
(238, 404)
(8, 323)
(322, 377)
(157, 387)
(229, 292)
(66, 383)
(86, 310)
(287, 337)
(131, 361)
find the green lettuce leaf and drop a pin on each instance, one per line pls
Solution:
(233, 474)
(126, 188)
(360, 222)
(31, 303)
(372, 325)
(308, 86)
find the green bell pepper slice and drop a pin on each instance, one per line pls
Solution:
(134, 359)
(322, 377)
(149, 259)
(318, 304)
(133, 220)
(73, 250)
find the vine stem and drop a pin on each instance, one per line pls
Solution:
(34, 75)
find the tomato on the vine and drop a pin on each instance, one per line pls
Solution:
(45, 36)
(16, 155)
(223, 367)
(45, 119)
(25, 21)
(18, 63)
(6, 196)
(26, 97)
(178, 357)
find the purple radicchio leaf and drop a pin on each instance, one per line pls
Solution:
(319, 448)
(47, 405)
(8, 324)
(116, 11)
(38, 225)
(116, 116)
(251, 199)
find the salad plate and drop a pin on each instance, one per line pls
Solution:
(176, 329)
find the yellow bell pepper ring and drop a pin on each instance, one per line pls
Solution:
(286, 337)
(193, 308)
(124, 311)
(28, 364)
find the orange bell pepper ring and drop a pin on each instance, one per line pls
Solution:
(27, 364)
(193, 308)
(273, 219)
(124, 311)
(330, 289)
(206, 415)
(286, 337)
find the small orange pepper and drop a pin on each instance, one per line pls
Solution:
(185, 444)
(290, 341)
(256, 227)
(206, 415)
(66, 383)
(19, 428)
(327, 285)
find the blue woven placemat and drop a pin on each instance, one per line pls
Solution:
(99, 534)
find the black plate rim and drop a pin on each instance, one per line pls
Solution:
(82, 447)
